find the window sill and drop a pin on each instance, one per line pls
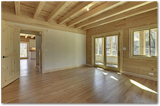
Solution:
(112, 56)
(144, 57)
(98, 54)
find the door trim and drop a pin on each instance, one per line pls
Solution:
(43, 41)
(119, 32)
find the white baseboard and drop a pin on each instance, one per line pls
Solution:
(123, 72)
(139, 75)
(64, 68)
(89, 65)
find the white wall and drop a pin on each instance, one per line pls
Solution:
(62, 49)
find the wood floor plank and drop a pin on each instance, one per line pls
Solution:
(77, 85)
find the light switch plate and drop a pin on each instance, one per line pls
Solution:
(46, 50)
(124, 48)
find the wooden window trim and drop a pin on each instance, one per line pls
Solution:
(131, 42)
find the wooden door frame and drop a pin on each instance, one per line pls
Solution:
(119, 32)
(43, 42)
(27, 49)
(118, 50)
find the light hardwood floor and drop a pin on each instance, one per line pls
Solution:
(78, 85)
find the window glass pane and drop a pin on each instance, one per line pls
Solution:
(100, 46)
(136, 43)
(153, 33)
(96, 45)
(114, 45)
(23, 49)
(146, 42)
(108, 45)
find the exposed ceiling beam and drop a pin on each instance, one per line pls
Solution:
(39, 8)
(29, 32)
(39, 23)
(74, 11)
(17, 7)
(26, 36)
(60, 7)
(104, 7)
(32, 36)
(121, 9)
(140, 10)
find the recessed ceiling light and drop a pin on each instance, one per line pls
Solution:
(87, 8)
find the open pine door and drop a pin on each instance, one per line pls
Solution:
(10, 53)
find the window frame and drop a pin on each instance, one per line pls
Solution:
(131, 42)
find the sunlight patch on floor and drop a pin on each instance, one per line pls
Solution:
(100, 68)
(114, 78)
(142, 86)
(104, 73)
(119, 73)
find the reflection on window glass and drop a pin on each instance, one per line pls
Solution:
(136, 43)
(108, 45)
(23, 49)
(100, 46)
(147, 42)
(96, 44)
(114, 45)
(153, 33)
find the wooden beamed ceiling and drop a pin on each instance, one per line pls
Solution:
(70, 14)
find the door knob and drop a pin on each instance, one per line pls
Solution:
(5, 56)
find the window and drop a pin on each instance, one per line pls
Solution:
(98, 46)
(23, 50)
(143, 41)
(111, 45)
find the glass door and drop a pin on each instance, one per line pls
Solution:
(23, 50)
(99, 51)
(112, 54)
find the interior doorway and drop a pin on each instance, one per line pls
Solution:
(30, 52)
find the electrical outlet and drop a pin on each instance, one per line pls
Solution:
(151, 73)
(56, 63)
(124, 48)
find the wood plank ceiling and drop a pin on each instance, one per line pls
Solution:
(74, 13)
